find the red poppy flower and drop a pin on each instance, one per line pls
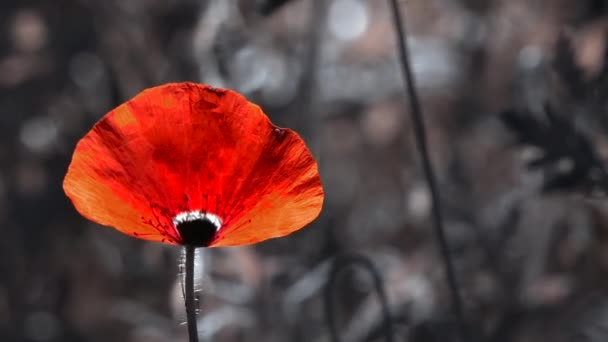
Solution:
(189, 164)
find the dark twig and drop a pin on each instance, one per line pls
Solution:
(419, 130)
(339, 265)
(268, 7)
(190, 303)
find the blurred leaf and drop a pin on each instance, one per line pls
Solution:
(566, 156)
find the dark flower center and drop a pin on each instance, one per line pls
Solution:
(197, 229)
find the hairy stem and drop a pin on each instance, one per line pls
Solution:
(190, 304)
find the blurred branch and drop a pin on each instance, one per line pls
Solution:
(268, 7)
(308, 82)
(340, 264)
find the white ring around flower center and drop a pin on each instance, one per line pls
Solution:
(188, 216)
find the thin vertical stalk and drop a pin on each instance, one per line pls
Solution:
(421, 140)
(190, 304)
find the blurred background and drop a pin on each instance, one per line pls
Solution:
(528, 240)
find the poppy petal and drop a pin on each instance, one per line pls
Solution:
(186, 151)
